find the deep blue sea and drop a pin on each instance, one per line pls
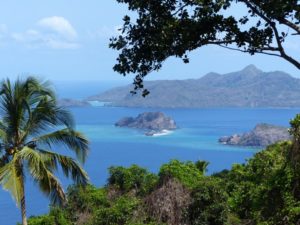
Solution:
(196, 139)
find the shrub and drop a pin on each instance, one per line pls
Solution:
(55, 217)
(86, 198)
(41, 220)
(209, 203)
(120, 213)
(134, 177)
(187, 173)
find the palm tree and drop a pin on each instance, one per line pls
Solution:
(31, 126)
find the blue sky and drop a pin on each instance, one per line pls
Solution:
(68, 40)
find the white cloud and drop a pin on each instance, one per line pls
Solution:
(52, 32)
(27, 36)
(36, 39)
(58, 44)
(105, 32)
(59, 25)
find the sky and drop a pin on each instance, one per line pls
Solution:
(68, 40)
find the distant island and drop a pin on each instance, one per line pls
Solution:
(152, 123)
(67, 102)
(261, 136)
(249, 87)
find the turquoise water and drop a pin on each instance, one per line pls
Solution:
(195, 139)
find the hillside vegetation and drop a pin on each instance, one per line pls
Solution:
(264, 191)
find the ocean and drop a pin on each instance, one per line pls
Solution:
(195, 139)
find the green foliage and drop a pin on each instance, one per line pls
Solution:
(85, 199)
(295, 126)
(132, 178)
(188, 173)
(262, 191)
(120, 213)
(41, 220)
(209, 203)
(202, 165)
(295, 132)
(56, 217)
(233, 220)
(164, 28)
(146, 223)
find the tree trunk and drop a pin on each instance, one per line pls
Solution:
(23, 206)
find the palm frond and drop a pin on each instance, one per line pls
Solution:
(3, 133)
(45, 116)
(38, 166)
(74, 140)
(11, 179)
(68, 165)
(39, 88)
(17, 100)
(11, 107)
(4, 159)
(56, 194)
(29, 107)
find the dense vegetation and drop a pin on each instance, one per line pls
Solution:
(264, 191)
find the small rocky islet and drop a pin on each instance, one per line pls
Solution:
(156, 123)
(151, 123)
(261, 136)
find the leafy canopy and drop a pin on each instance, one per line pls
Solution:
(188, 173)
(262, 191)
(134, 177)
(165, 28)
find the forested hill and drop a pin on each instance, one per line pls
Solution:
(249, 87)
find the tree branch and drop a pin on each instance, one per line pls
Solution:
(277, 36)
(281, 49)
(245, 51)
(180, 8)
(290, 24)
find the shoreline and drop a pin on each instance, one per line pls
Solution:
(158, 133)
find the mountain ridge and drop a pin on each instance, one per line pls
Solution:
(250, 87)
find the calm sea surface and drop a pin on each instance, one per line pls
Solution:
(195, 139)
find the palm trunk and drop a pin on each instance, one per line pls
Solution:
(23, 210)
(23, 205)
